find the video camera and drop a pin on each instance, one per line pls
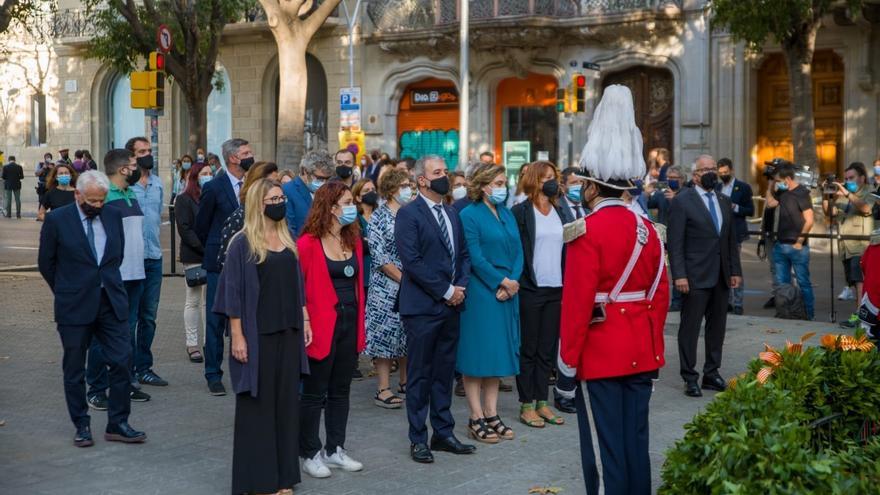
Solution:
(803, 175)
(829, 186)
(771, 167)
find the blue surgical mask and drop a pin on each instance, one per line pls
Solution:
(781, 186)
(204, 179)
(851, 186)
(63, 180)
(404, 196)
(349, 214)
(877, 170)
(187, 165)
(574, 193)
(316, 183)
(498, 195)
(673, 184)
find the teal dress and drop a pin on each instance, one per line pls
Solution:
(489, 342)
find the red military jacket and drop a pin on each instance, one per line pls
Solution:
(630, 340)
(871, 271)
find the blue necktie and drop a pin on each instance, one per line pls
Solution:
(90, 234)
(713, 213)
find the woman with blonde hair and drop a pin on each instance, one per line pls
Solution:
(260, 291)
(235, 222)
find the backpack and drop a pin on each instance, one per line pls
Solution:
(789, 303)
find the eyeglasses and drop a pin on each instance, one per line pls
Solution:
(706, 170)
(274, 200)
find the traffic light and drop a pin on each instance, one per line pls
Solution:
(562, 105)
(148, 87)
(579, 92)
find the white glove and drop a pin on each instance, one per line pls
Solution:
(564, 368)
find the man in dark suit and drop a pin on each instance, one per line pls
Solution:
(740, 194)
(220, 198)
(705, 265)
(436, 268)
(13, 174)
(316, 168)
(81, 250)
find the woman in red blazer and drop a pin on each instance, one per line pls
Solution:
(331, 257)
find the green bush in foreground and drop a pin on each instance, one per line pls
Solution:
(800, 421)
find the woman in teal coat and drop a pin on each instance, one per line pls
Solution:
(489, 344)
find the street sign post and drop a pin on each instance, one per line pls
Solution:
(350, 108)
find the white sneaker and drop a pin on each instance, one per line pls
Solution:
(315, 467)
(846, 294)
(342, 461)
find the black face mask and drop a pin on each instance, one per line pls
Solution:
(550, 188)
(371, 198)
(145, 162)
(343, 172)
(709, 180)
(275, 212)
(246, 163)
(440, 185)
(725, 178)
(89, 210)
(134, 177)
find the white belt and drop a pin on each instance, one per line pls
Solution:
(602, 297)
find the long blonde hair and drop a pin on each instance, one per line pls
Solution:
(256, 224)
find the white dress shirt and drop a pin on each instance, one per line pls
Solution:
(702, 192)
(236, 185)
(451, 290)
(575, 209)
(727, 190)
(98, 229)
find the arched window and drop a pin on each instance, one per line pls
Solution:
(126, 122)
(220, 113)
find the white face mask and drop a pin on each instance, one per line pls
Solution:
(459, 192)
(404, 196)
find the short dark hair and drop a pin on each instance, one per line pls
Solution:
(725, 162)
(608, 192)
(489, 154)
(344, 150)
(129, 145)
(859, 167)
(785, 172)
(568, 172)
(116, 159)
(11, 158)
(78, 154)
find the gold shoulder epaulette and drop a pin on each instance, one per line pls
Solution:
(573, 230)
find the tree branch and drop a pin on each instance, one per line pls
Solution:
(314, 22)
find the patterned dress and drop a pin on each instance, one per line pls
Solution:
(385, 335)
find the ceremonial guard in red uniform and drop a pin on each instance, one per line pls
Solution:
(614, 300)
(868, 312)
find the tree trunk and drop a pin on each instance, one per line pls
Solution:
(799, 57)
(197, 113)
(291, 102)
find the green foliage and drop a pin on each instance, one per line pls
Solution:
(797, 433)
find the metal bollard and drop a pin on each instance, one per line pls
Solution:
(173, 239)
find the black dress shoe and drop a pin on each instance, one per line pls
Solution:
(459, 388)
(451, 444)
(565, 405)
(83, 437)
(123, 432)
(714, 383)
(691, 389)
(738, 310)
(771, 303)
(421, 453)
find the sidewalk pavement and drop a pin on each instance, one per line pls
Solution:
(189, 447)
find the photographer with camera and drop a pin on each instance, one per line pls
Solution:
(793, 217)
(849, 205)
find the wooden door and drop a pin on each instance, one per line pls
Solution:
(653, 96)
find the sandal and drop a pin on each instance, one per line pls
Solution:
(478, 430)
(534, 422)
(401, 389)
(195, 355)
(390, 402)
(552, 418)
(500, 428)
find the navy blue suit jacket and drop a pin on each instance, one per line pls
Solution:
(299, 201)
(216, 204)
(71, 270)
(427, 265)
(741, 196)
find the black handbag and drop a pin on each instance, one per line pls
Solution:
(195, 276)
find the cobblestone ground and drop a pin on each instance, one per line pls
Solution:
(190, 432)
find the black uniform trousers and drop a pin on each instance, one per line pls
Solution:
(539, 314)
(620, 412)
(328, 388)
(698, 304)
(431, 347)
(115, 340)
(266, 439)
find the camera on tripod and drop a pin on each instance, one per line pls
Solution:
(829, 185)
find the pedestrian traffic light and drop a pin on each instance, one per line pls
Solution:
(562, 105)
(579, 92)
(148, 87)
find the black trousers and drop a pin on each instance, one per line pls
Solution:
(328, 388)
(539, 314)
(115, 339)
(266, 438)
(620, 412)
(698, 304)
(431, 346)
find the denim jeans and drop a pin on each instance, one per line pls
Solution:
(215, 325)
(96, 370)
(786, 258)
(146, 316)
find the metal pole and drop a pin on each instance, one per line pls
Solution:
(464, 87)
(351, 22)
(173, 223)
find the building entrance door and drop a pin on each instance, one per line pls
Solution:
(653, 97)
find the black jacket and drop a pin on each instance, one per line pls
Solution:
(185, 211)
(13, 174)
(742, 197)
(696, 250)
(525, 221)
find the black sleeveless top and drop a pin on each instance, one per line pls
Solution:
(279, 292)
(343, 274)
